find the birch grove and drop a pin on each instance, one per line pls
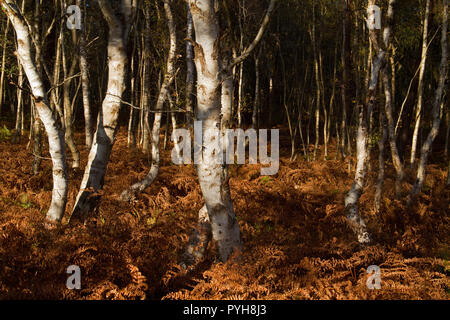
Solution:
(215, 130)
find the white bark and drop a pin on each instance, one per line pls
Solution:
(227, 100)
(392, 139)
(345, 77)
(164, 91)
(316, 73)
(2, 76)
(241, 66)
(146, 82)
(387, 33)
(84, 68)
(190, 77)
(420, 86)
(240, 93)
(37, 141)
(173, 120)
(68, 113)
(54, 95)
(352, 198)
(447, 134)
(426, 147)
(380, 180)
(19, 111)
(55, 135)
(256, 98)
(132, 120)
(212, 175)
(94, 175)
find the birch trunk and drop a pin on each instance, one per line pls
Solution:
(94, 175)
(37, 123)
(227, 100)
(382, 53)
(84, 68)
(168, 79)
(332, 102)
(19, 110)
(146, 83)
(426, 147)
(392, 138)
(2, 76)
(381, 148)
(447, 134)
(198, 240)
(54, 95)
(423, 61)
(241, 65)
(352, 198)
(190, 77)
(240, 88)
(212, 175)
(256, 99)
(345, 61)
(37, 141)
(132, 120)
(317, 79)
(325, 110)
(68, 113)
(54, 133)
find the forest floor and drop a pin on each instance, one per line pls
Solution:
(297, 244)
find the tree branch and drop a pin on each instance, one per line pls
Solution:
(257, 39)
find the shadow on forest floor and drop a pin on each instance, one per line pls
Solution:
(297, 244)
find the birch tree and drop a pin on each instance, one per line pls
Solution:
(163, 92)
(2, 76)
(223, 208)
(94, 175)
(346, 66)
(437, 105)
(84, 68)
(381, 161)
(39, 95)
(190, 76)
(146, 81)
(316, 73)
(352, 198)
(212, 174)
(378, 46)
(256, 99)
(68, 77)
(423, 61)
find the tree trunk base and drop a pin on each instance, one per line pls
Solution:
(198, 241)
(86, 203)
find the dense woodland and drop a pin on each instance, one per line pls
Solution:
(91, 92)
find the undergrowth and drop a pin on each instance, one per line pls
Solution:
(297, 244)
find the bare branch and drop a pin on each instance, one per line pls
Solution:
(257, 39)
